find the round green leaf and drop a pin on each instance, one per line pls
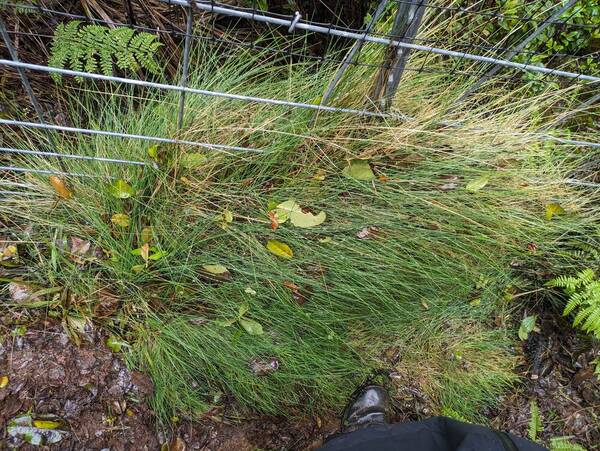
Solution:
(306, 220)
(251, 326)
(359, 169)
(120, 189)
(475, 185)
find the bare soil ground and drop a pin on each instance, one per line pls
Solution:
(104, 405)
(557, 374)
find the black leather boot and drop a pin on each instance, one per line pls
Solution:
(369, 407)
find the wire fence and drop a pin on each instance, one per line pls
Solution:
(485, 44)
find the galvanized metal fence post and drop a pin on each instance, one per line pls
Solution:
(186, 62)
(349, 58)
(24, 80)
(406, 24)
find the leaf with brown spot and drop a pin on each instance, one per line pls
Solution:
(60, 187)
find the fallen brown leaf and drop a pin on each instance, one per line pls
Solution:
(367, 232)
(274, 220)
(260, 367)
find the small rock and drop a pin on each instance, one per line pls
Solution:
(57, 373)
(18, 292)
(448, 186)
(142, 383)
(263, 367)
(71, 409)
(86, 360)
(63, 339)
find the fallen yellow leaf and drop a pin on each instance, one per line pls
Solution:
(120, 219)
(46, 424)
(3, 381)
(215, 269)
(61, 187)
(553, 210)
(280, 249)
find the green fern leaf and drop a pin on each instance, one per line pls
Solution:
(564, 444)
(535, 421)
(584, 299)
(94, 48)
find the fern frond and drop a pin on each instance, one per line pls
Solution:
(574, 301)
(584, 296)
(145, 47)
(60, 49)
(535, 421)
(123, 50)
(564, 444)
(96, 48)
(586, 277)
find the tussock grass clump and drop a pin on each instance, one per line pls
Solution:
(410, 273)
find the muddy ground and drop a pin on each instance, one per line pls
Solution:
(104, 406)
(557, 373)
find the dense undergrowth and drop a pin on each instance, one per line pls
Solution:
(414, 271)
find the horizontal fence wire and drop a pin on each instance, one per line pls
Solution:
(358, 35)
(325, 59)
(212, 6)
(253, 45)
(217, 94)
(71, 156)
(16, 184)
(87, 131)
(44, 171)
(292, 53)
(205, 92)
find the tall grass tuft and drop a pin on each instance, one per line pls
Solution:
(410, 274)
